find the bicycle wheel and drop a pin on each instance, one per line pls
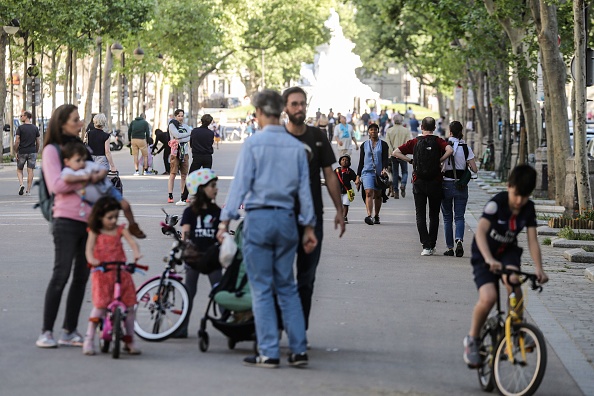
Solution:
(160, 310)
(521, 378)
(103, 342)
(117, 333)
(489, 334)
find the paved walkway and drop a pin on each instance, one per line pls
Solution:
(564, 310)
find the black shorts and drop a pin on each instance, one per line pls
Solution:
(482, 275)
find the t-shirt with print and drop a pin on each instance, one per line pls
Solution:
(322, 156)
(348, 176)
(344, 133)
(408, 148)
(505, 226)
(28, 135)
(204, 227)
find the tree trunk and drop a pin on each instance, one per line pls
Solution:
(505, 117)
(74, 88)
(165, 103)
(106, 86)
(54, 78)
(67, 76)
(579, 122)
(92, 82)
(480, 112)
(552, 167)
(3, 43)
(130, 99)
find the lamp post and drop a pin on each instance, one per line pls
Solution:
(100, 45)
(11, 30)
(118, 50)
(139, 56)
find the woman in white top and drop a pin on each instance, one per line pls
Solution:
(453, 194)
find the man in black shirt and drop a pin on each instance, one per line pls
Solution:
(26, 147)
(365, 117)
(322, 157)
(201, 140)
(163, 138)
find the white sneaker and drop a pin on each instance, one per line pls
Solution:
(181, 203)
(136, 173)
(427, 252)
(46, 340)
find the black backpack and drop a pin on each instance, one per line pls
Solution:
(426, 158)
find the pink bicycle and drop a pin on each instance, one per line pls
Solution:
(112, 327)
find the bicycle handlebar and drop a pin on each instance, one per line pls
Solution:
(527, 277)
(170, 230)
(130, 267)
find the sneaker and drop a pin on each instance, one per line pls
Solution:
(459, 248)
(136, 173)
(395, 194)
(165, 173)
(298, 359)
(427, 252)
(471, 352)
(27, 193)
(346, 220)
(181, 202)
(88, 348)
(261, 361)
(449, 252)
(403, 192)
(369, 220)
(71, 339)
(46, 340)
(21, 189)
(376, 220)
(146, 172)
(169, 200)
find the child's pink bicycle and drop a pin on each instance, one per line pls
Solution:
(112, 327)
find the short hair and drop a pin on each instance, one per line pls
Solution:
(99, 210)
(428, 124)
(523, 179)
(100, 121)
(71, 149)
(456, 129)
(28, 114)
(206, 120)
(398, 119)
(177, 111)
(373, 125)
(291, 91)
(270, 102)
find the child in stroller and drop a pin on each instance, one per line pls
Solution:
(232, 295)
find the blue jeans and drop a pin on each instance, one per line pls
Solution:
(270, 243)
(399, 167)
(459, 199)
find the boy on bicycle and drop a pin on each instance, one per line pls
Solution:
(495, 243)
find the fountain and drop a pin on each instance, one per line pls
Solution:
(331, 81)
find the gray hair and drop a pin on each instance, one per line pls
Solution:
(270, 102)
(398, 119)
(100, 121)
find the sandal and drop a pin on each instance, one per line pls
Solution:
(136, 231)
(87, 348)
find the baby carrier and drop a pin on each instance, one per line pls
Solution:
(231, 304)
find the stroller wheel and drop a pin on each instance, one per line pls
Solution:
(231, 343)
(203, 342)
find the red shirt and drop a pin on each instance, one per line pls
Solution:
(408, 148)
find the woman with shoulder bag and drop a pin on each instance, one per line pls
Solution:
(372, 172)
(98, 142)
(199, 224)
(455, 192)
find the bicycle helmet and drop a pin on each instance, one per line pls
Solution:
(198, 178)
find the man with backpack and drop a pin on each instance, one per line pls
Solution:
(428, 151)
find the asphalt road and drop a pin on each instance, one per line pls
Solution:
(385, 320)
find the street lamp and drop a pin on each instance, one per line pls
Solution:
(13, 27)
(117, 50)
(138, 53)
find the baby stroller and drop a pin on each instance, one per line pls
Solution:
(149, 159)
(231, 304)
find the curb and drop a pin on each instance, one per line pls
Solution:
(589, 273)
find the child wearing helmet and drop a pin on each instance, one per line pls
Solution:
(200, 223)
(345, 176)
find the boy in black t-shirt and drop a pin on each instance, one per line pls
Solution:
(495, 244)
(345, 176)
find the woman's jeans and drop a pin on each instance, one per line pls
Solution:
(269, 246)
(459, 199)
(70, 239)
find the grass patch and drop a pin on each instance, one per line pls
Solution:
(569, 233)
(544, 217)
(420, 111)
(589, 249)
(547, 241)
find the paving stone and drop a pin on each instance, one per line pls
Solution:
(579, 256)
(566, 243)
(589, 272)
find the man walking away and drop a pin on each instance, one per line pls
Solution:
(163, 138)
(322, 157)
(270, 228)
(26, 145)
(428, 151)
(139, 133)
(396, 137)
(414, 125)
(365, 117)
(201, 141)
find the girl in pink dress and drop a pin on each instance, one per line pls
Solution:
(104, 244)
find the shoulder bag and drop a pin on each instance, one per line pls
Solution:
(350, 191)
